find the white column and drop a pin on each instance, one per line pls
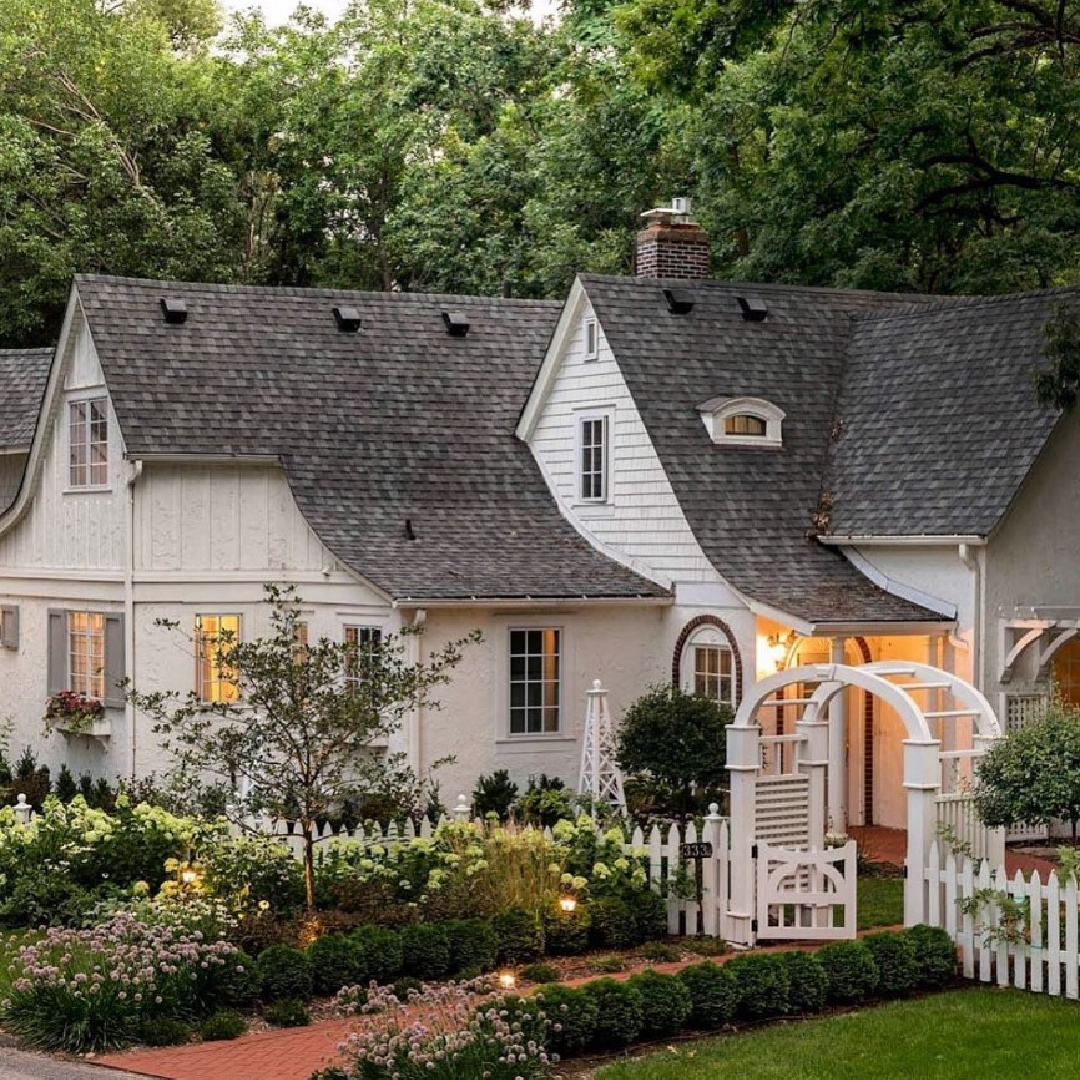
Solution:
(837, 799)
(743, 762)
(813, 763)
(922, 772)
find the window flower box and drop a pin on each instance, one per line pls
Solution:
(73, 713)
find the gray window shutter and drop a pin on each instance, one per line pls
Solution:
(58, 651)
(114, 660)
(9, 626)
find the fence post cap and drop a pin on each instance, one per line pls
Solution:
(461, 811)
(20, 800)
(714, 810)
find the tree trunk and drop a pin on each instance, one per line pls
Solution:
(308, 828)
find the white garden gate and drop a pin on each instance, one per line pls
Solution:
(785, 882)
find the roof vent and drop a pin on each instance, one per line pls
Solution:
(410, 532)
(753, 310)
(457, 325)
(347, 319)
(678, 301)
(175, 310)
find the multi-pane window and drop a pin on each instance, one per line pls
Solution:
(88, 443)
(594, 458)
(713, 673)
(362, 641)
(535, 675)
(215, 636)
(86, 653)
(745, 424)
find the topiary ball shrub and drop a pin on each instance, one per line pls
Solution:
(572, 1015)
(808, 986)
(222, 1025)
(164, 1032)
(659, 952)
(474, 945)
(850, 971)
(378, 954)
(520, 934)
(613, 925)
(285, 972)
(335, 962)
(566, 933)
(714, 994)
(762, 984)
(287, 1013)
(619, 1012)
(894, 956)
(240, 981)
(665, 1003)
(541, 972)
(425, 951)
(935, 955)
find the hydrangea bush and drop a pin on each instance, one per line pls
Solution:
(459, 1031)
(88, 989)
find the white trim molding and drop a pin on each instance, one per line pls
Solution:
(898, 588)
(717, 411)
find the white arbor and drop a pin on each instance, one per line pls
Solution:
(797, 766)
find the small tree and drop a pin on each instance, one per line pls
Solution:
(677, 740)
(297, 740)
(1032, 776)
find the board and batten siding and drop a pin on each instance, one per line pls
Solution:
(68, 528)
(642, 518)
(221, 517)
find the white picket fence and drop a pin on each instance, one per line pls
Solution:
(662, 847)
(1036, 946)
(957, 813)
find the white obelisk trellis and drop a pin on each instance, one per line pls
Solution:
(600, 775)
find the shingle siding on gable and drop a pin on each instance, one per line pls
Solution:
(642, 519)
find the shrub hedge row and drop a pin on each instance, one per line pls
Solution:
(606, 1014)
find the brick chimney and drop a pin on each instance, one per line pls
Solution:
(671, 245)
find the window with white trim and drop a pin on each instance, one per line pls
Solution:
(361, 643)
(708, 666)
(86, 653)
(592, 340)
(593, 458)
(743, 421)
(88, 443)
(215, 679)
(536, 681)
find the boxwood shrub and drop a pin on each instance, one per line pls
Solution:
(665, 1002)
(714, 994)
(619, 1018)
(850, 969)
(763, 985)
(287, 1013)
(474, 945)
(566, 933)
(520, 934)
(425, 951)
(649, 912)
(613, 924)
(284, 972)
(935, 955)
(894, 956)
(335, 962)
(378, 954)
(224, 1024)
(572, 1014)
(808, 986)
(240, 982)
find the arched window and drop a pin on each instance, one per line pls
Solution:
(707, 665)
(743, 421)
(1066, 667)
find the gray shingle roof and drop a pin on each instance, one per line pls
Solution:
(399, 423)
(938, 417)
(23, 375)
(750, 508)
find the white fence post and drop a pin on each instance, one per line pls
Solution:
(24, 812)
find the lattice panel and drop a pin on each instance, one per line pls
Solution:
(1020, 708)
(783, 811)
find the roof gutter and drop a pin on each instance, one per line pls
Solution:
(410, 602)
(921, 540)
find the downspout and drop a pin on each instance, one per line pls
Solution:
(975, 561)
(129, 605)
(416, 737)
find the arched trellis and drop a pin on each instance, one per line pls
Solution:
(922, 759)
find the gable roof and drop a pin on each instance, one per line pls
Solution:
(938, 417)
(750, 508)
(23, 376)
(397, 441)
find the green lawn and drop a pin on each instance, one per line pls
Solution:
(881, 902)
(978, 1034)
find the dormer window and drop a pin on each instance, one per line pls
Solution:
(743, 421)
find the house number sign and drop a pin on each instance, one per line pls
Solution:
(696, 851)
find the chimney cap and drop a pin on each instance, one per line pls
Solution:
(678, 211)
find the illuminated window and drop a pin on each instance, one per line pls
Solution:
(1067, 670)
(86, 653)
(362, 642)
(88, 443)
(745, 424)
(215, 635)
(535, 676)
(300, 636)
(743, 421)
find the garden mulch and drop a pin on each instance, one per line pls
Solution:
(295, 1053)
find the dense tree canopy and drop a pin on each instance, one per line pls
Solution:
(458, 145)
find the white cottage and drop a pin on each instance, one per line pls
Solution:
(662, 478)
